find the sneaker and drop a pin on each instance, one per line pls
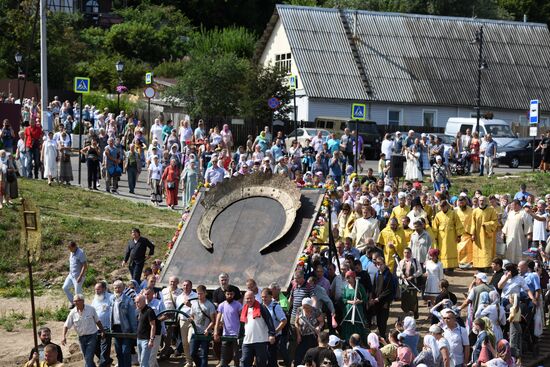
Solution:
(188, 365)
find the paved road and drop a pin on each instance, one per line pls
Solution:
(142, 189)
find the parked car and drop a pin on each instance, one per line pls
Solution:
(304, 133)
(517, 153)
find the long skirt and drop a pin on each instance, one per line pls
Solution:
(65, 171)
(171, 195)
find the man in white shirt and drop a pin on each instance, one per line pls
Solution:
(258, 331)
(214, 174)
(183, 303)
(387, 146)
(103, 304)
(457, 337)
(86, 323)
(169, 296)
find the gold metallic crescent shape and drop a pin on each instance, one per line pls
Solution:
(221, 196)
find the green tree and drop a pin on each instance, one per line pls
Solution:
(213, 86)
(238, 41)
(262, 84)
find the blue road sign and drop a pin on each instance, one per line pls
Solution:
(292, 82)
(273, 103)
(534, 112)
(81, 85)
(148, 78)
(359, 111)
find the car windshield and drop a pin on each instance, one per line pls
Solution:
(311, 132)
(324, 133)
(446, 139)
(499, 131)
(367, 128)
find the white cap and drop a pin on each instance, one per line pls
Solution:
(333, 340)
(482, 277)
(387, 188)
(438, 158)
(307, 301)
(423, 135)
(411, 131)
(401, 195)
(435, 329)
(397, 133)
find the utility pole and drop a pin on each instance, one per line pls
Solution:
(481, 65)
(43, 65)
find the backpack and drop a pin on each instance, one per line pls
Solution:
(364, 361)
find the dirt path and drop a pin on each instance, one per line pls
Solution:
(110, 220)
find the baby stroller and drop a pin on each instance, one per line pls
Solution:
(460, 166)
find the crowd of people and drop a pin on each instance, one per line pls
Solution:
(393, 244)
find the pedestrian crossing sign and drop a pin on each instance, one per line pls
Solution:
(359, 111)
(148, 78)
(81, 85)
(292, 82)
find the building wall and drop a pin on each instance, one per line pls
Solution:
(278, 44)
(310, 109)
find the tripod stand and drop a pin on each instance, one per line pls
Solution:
(353, 310)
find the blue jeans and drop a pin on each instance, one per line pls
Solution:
(71, 284)
(103, 350)
(87, 345)
(26, 164)
(123, 349)
(144, 352)
(481, 164)
(201, 360)
(258, 350)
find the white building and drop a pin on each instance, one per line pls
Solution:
(410, 70)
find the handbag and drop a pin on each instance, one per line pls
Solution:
(114, 171)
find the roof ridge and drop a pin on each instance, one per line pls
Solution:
(411, 15)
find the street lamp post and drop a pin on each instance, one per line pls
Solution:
(119, 68)
(481, 65)
(18, 59)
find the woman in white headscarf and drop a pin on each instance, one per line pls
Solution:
(430, 355)
(494, 312)
(410, 336)
(374, 349)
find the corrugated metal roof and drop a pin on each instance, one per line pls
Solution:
(417, 59)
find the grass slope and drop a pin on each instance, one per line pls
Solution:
(537, 183)
(99, 223)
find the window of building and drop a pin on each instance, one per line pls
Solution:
(65, 6)
(91, 7)
(429, 118)
(394, 117)
(283, 62)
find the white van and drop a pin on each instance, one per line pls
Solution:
(499, 129)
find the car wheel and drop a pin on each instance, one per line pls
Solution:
(514, 162)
